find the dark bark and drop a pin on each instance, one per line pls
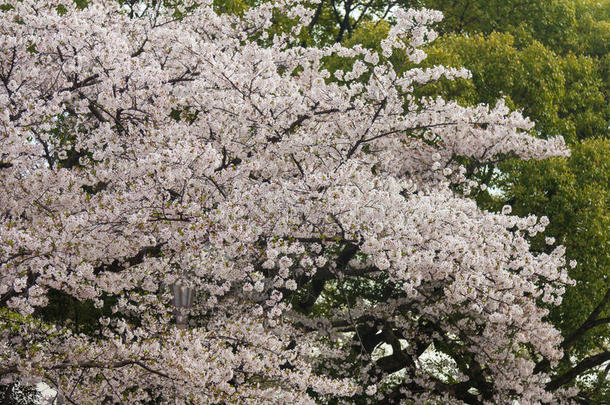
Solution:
(344, 23)
(584, 365)
(590, 322)
(118, 265)
(319, 280)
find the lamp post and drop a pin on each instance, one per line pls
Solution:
(183, 301)
(183, 295)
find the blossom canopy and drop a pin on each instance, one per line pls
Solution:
(321, 216)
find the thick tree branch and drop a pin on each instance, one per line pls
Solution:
(118, 265)
(323, 275)
(581, 367)
(590, 322)
(92, 364)
(344, 23)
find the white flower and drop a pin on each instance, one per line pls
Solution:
(285, 262)
(19, 284)
(272, 254)
(291, 284)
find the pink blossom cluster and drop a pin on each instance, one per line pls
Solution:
(138, 150)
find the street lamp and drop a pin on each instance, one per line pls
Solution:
(183, 295)
(183, 301)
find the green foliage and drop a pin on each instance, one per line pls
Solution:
(591, 31)
(563, 95)
(236, 7)
(548, 21)
(79, 316)
(368, 35)
(584, 108)
(340, 20)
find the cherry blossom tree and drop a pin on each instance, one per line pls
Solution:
(321, 217)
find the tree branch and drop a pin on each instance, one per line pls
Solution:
(590, 322)
(584, 365)
(92, 364)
